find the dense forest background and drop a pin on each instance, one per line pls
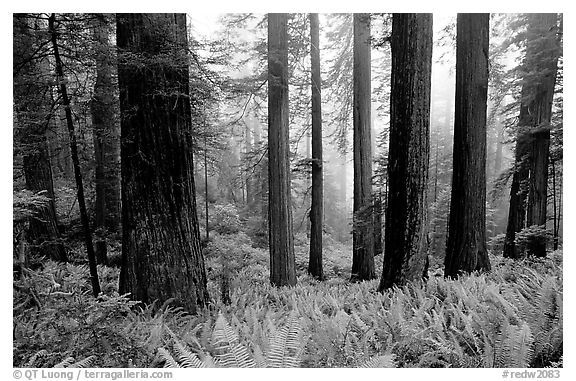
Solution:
(333, 190)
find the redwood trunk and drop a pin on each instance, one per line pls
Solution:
(363, 233)
(33, 117)
(466, 246)
(405, 248)
(106, 139)
(161, 255)
(533, 142)
(61, 80)
(316, 209)
(281, 242)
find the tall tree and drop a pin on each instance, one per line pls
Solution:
(316, 209)
(281, 241)
(161, 254)
(363, 233)
(33, 116)
(61, 81)
(466, 246)
(528, 203)
(541, 113)
(106, 135)
(405, 247)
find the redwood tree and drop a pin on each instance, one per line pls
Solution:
(106, 135)
(281, 241)
(161, 254)
(316, 218)
(528, 203)
(363, 233)
(466, 246)
(32, 119)
(405, 234)
(63, 92)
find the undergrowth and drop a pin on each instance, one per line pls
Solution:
(511, 317)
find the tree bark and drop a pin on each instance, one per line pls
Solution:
(249, 178)
(106, 138)
(161, 252)
(33, 117)
(405, 248)
(61, 80)
(466, 246)
(377, 216)
(363, 233)
(533, 141)
(316, 209)
(518, 195)
(281, 241)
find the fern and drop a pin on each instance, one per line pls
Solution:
(384, 361)
(286, 348)
(65, 363)
(34, 359)
(88, 362)
(232, 354)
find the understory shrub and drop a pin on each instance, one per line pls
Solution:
(510, 317)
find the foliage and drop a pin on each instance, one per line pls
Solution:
(225, 219)
(284, 349)
(511, 317)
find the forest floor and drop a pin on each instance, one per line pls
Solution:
(510, 317)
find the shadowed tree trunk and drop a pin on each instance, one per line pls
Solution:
(377, 215)
(161, 255)
(541, 111)
(61, 80)
(405, 248)
(33, 116)
(315, 260)
(466, 246)
(281, 241)
(249, 178)
(106, 138)
(363, 233)
(530, 179)
(518, 195)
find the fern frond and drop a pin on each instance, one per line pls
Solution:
(384, 361)
(225, 340)
(186, 359)
(65, 363)
(165, 357)
(520, 344)
(38, 355)
(286, 347)
(88, 362)
(259, 358)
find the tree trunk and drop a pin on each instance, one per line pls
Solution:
(61, 80)
(518, 194)
(206, 210)
(466, 246)
(363, 232)
(106, 139)
(405, 248)
(161, 255)
(33, 117)
(249, 179)
(316, 209)
(378, 223)
(554, 206)
(499, 147)
(533, 141)
(281, 241)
